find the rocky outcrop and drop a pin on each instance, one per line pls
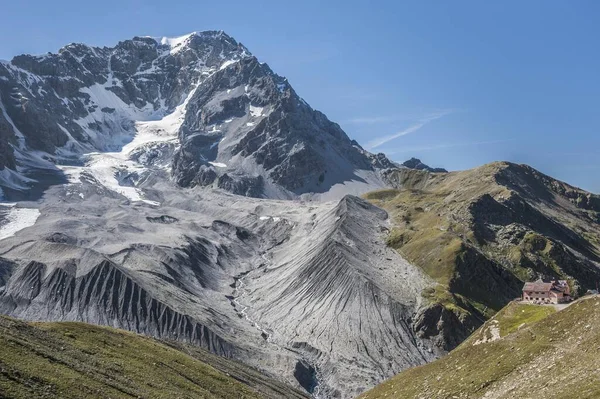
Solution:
(537, 186)
(415, 163)
(298, 148)
(444, 327)
(7, 136)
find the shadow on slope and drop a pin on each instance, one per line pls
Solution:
(42, 180)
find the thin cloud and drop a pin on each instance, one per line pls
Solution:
(448, 145)
(371, 120)
(411, 129)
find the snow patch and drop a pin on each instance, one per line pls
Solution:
(119, 123)
(218, 164)
(17, 219)
(103, 167)
(256, 111)
(73, 173)
(226, 64)
(176, 43)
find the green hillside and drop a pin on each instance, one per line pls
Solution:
(481, 233)
(538, 353)
(77, 360)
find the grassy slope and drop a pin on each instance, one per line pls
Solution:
(77, 360)
(429, 229)
(556, 356)
(513, 317)
(436, 224)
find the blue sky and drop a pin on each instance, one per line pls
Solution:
(457, 84)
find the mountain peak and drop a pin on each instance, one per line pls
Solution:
(415, 163)
(199, 38)
(177, 43)
(233, 123)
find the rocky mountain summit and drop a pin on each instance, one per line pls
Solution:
(211, 114)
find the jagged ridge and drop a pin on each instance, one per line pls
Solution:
(217, 117)
(104, 295)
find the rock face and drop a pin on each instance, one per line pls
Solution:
(239, 126)
(247, 113)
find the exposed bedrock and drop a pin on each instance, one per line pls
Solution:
(445, 328)
(105, 295)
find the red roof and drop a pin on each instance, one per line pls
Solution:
(537, 286)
